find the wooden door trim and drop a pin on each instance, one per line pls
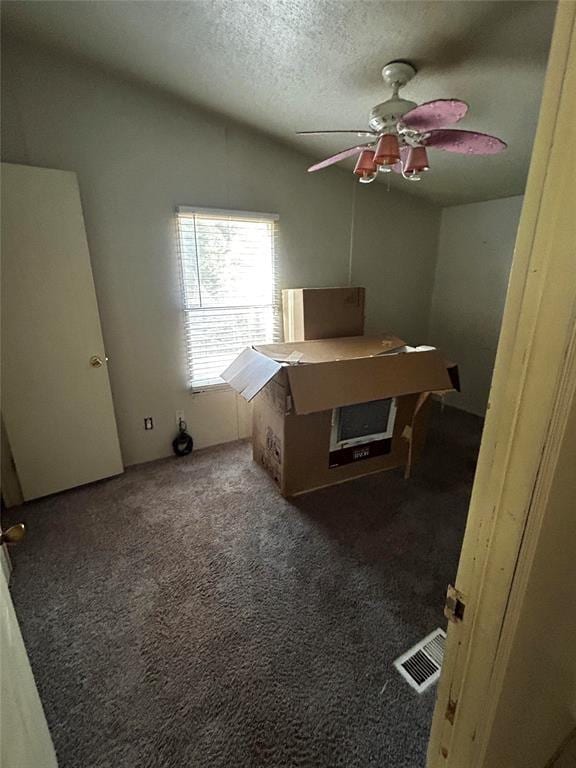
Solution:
(532, 389)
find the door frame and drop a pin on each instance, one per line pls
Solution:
(533, 387)
(27, 742)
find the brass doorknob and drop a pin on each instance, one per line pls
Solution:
(14, 534)
(96, 362)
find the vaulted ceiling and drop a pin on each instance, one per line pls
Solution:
(287, 65)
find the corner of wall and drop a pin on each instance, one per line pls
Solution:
(437, 244)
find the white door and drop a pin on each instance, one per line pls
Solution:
(56, 399)
(25, 741)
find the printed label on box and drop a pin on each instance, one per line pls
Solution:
(359, 452)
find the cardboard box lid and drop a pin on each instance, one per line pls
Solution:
(330, 350)
(327, 385)
(327, 373)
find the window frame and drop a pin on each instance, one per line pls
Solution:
(226, 213)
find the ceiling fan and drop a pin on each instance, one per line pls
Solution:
(401, 131)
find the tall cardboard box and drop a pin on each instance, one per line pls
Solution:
(327, 411)
(322, 313)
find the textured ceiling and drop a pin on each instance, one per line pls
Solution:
(286, 65)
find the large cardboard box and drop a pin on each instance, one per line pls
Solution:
(317, 402)
(322, 313)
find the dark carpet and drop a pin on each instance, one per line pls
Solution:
(184, 614)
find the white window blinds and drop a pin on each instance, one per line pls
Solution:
(229, 287)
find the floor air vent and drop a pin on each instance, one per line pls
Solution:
(421, 665)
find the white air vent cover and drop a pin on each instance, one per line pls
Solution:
(421, 665)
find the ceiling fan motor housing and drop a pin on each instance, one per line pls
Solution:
(385, 116)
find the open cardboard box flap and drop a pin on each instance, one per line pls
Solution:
(328, 373)
(329, 350)
(250, 372)
(329, 385)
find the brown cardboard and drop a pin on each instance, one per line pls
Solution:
(324, 386)
(268, 431)
(329, 350)
(306, 445)
(323, 313)
(415, 433)
(256, 366)
(296, 386)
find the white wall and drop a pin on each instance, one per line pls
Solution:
(474, 257)
(392, 242)
(138, 153)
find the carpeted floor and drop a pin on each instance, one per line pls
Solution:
(185, 615)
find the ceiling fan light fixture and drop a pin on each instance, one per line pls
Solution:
(387, 150)
(416, 161)
(365, 166)
(400, 131)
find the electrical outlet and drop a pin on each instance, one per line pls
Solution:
(179, 415)
(148, 423)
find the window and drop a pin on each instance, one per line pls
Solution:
(229, 287)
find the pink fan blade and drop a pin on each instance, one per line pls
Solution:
(336, 158)
(435, 114)
(465, 142)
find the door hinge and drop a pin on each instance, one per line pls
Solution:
(454, 605)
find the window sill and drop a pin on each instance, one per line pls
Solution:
(210, 388)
